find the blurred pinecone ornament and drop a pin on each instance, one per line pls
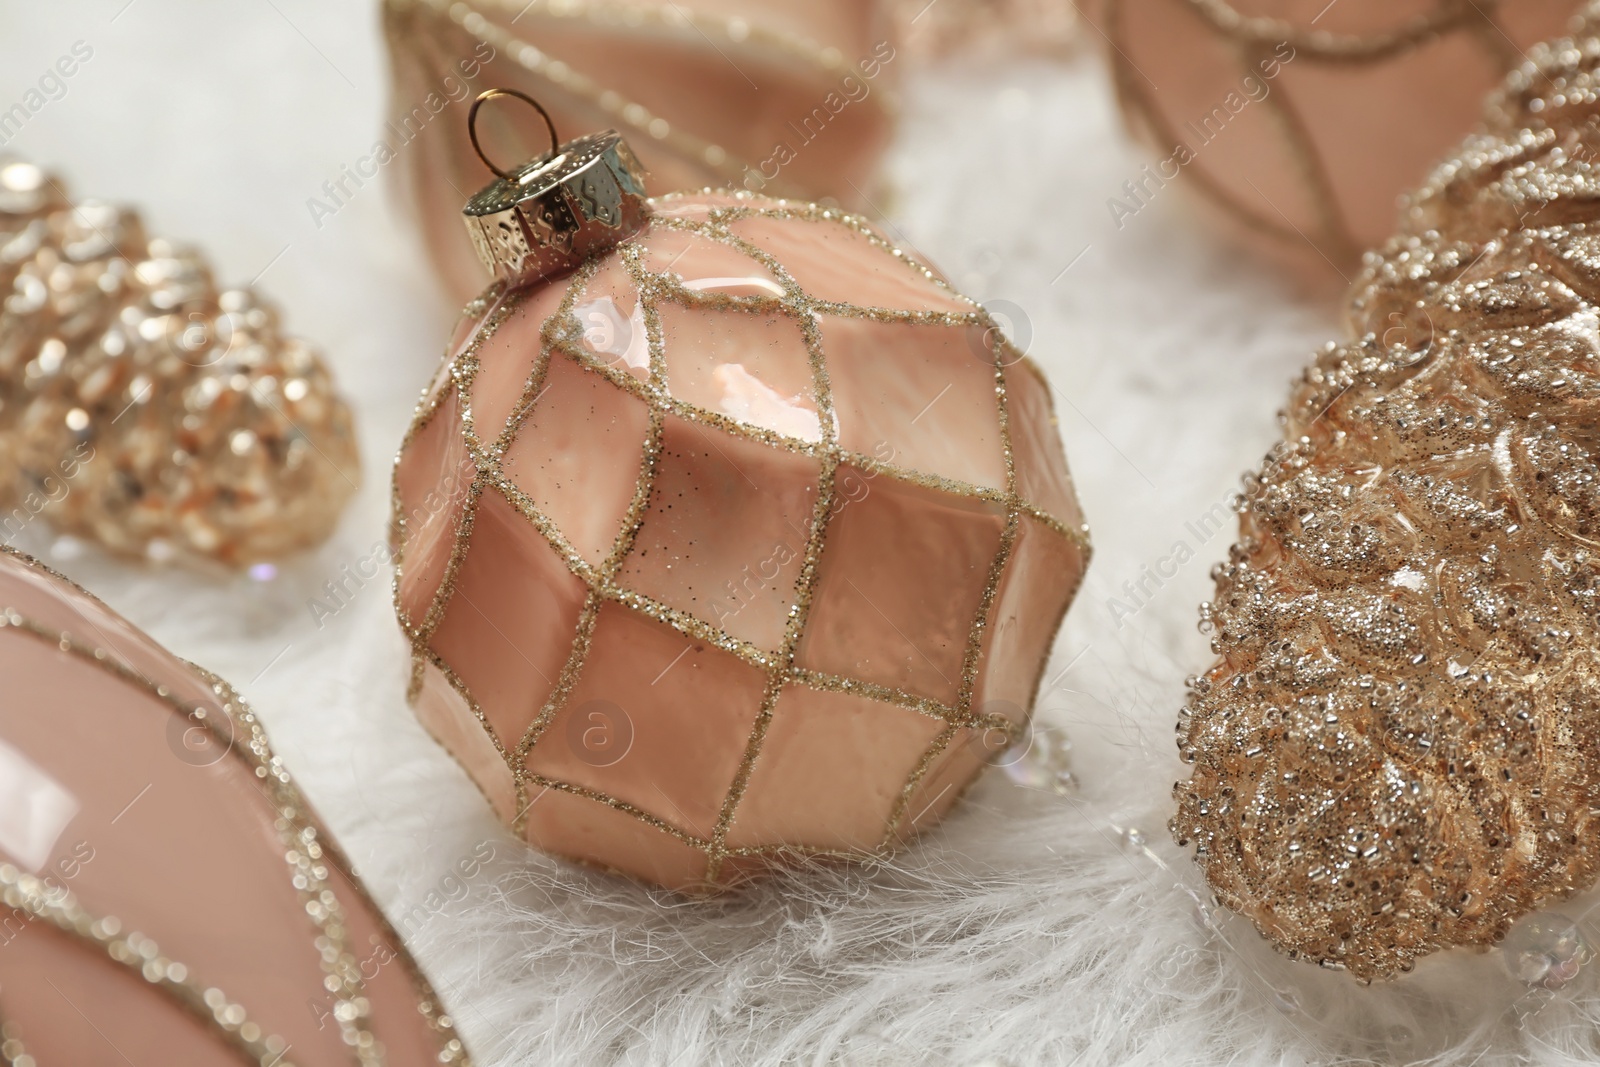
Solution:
(144, 408)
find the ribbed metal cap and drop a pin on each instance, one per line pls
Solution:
(550, 214)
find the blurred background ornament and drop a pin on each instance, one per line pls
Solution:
(794, 98)
(727, 531)
(1397, 750)
(938, 29)
(159, 868)
(1300, 123)
(145, 409)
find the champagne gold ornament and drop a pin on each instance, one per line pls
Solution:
(1301, 122)
(727, 531)
(1399, 748)
(788, 97)
(142, 407)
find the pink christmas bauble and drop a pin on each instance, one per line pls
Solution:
(750, 536)
(1299, 124)
(160, 872)
(791, 98)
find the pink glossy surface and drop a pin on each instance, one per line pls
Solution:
(508, 360)
(578, 456)
(433, 479)
(830, 771)
(689, 708)
(739, 572)
(445, 714)
(902, 580)
(919, 397)
(509, 619)
(172, 837)
(753, 368)
(657, 719)
(951, 771)
(1042, 476)
(596, 834)
(665, 250)
(64, 978)
(1023, 619)
(1377, 127)
(813, 252)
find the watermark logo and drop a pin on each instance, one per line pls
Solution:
(1139, 192)
(46, 90)
(1009, 324)
(201, 737)
(852, 89)
(200, 340)
(994, 744)
(600, 733)
(1139, 591)
(352, 177)
(1411, 331)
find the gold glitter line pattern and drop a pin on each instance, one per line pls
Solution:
(628, 115)
(561, 338)
(1252, 37)
(306, 851)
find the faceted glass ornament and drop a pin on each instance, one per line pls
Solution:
(743, 539)
(785, 97)
(1300, 123)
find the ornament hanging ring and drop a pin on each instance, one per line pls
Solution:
(472, 125)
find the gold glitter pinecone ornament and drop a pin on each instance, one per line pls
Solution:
(1399, 748)
(143, 408)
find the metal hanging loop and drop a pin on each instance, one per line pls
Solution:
(472, 125)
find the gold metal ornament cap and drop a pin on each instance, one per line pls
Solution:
(550, 214)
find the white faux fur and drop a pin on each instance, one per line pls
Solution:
(1027, 930)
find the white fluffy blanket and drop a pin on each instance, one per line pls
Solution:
(1031, 928)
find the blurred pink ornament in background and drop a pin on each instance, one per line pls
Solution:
(1298, 124)
(793, 98)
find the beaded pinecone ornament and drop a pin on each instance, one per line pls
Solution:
(1399, 748)
(142, 407)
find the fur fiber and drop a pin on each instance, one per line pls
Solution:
(1026, 930)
